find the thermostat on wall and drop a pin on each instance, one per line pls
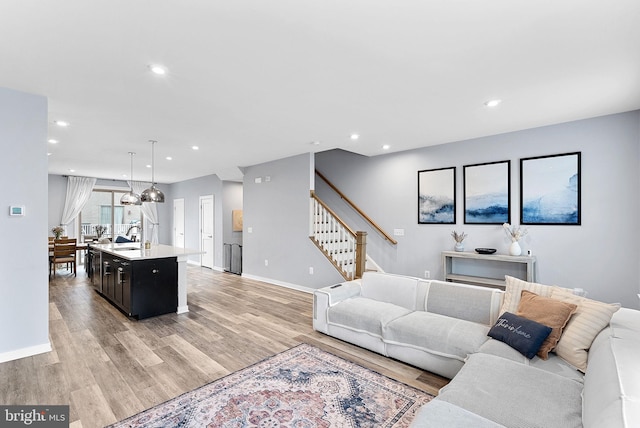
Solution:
(17, 211)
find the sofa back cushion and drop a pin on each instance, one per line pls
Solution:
(612, 381)
(467, 302)
(385, 287)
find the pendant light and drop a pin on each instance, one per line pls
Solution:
(131, 198)
(152, 194)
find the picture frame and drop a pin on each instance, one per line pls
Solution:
(487, 193)
(236, 220)
(437, 196)
(550, 190)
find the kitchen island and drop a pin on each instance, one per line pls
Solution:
(141, 282)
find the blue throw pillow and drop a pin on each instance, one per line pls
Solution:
(522, 334)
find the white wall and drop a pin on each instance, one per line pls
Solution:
(277, 211)
(600, 256)
(24, 293)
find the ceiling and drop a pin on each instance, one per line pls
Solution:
(253, 81)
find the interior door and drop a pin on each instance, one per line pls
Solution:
(178, 223)
(206, 230)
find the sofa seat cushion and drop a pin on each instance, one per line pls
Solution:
(439, 414)
(515, 395)
(436, 334)
(553, 364)
(364, 315)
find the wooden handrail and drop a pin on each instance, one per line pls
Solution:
(357, 209)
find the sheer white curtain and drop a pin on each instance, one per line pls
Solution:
(149, 210)
(78, 193)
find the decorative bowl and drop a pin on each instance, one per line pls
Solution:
(485, 250)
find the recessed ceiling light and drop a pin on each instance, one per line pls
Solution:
(148, 166)
(52, 141)
(124, 175)
(72, 170)
(62, 123)
(49, 154)
(354, 136)
(386, 147)
(168, 158)
(195, 148)
(492, 103)
(315, 143)
(158, 69)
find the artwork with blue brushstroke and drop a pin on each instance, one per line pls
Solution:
(436, 193)
(550, 190)
(487, 193)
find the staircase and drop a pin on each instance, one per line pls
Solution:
(345, 248)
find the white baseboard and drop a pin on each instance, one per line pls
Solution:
(25, 352)
(197, 263)
(182, 309)
(280, 283)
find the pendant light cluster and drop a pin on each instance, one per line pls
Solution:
(131, 198)
(152, 194)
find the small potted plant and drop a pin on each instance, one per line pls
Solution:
(459, 238)
(57, 231)
(514, 233)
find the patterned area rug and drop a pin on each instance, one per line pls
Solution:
(303, 387)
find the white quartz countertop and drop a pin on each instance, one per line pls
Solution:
(136, 251)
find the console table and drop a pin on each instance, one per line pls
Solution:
(486, 269)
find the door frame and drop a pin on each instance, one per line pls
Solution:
(174, 223)
(213, 225)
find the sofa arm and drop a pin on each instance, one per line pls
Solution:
(326, 297)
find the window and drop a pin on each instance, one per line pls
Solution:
(104, 209)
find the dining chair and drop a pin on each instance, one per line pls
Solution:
(64, 251)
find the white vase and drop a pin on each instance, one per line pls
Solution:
(459, 247)
(514, 249)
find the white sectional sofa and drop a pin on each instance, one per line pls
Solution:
(442, 327)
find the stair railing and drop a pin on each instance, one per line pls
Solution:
(357, 209)
(344, 247)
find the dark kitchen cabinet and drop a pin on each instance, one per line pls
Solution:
(122, 273)
(107, 276)
(139, 288)
(154, 289)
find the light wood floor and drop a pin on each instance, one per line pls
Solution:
(108, 367)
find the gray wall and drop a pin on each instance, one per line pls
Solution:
(57, 194)
(277, 212)
(190, 191)
(231, 200)
(24, 292)
(600, 256)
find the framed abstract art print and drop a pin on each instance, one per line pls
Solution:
(487, 193)
(550, 189)
(437, 196)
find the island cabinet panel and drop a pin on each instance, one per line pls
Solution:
(140, 288)
(107, 277)
(154, 287)
(142, 282)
